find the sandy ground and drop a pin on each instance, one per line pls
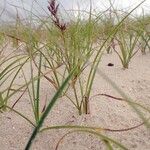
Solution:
(105, 112)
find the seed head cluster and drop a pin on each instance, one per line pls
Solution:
(53, 9)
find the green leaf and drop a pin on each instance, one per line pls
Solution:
(48, 109)
(1, 101)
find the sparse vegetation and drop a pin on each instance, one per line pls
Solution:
(66, 55)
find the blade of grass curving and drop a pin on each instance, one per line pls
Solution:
(101, 136)
(6, 78)
(121, 99)
(23, 86)
(8, 58)
(10, 65)
(107, 143)
(93, 128)
(11, 70)
(12, 81)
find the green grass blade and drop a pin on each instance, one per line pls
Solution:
(48, 109)
(37, 100)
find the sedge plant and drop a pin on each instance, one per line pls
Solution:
(127, 42)
(74, 49)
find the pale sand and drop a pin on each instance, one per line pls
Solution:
(105, 112)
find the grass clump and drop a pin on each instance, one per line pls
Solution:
(142, 28)
(75, 48)
(127, 42)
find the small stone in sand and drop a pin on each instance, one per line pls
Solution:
(110, 64)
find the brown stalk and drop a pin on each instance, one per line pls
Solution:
(18, 98)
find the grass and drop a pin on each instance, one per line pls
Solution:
(143, 30)
(62, 53)
(127, 42)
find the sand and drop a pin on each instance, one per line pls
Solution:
(105, 112)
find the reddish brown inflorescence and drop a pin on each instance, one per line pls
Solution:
(53, 9)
